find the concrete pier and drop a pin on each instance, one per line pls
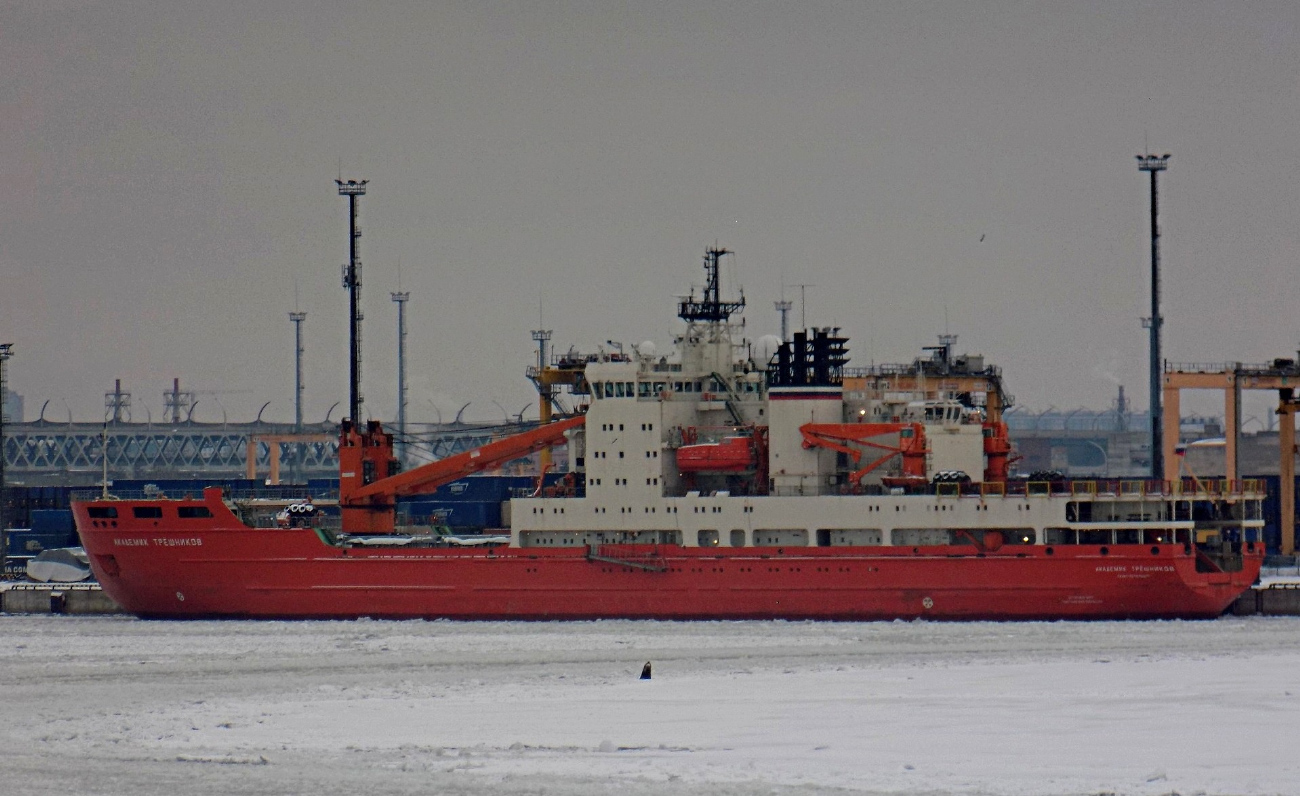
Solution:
(1276, 599)
(55, 598)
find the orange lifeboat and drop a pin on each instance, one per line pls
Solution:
(731, 455)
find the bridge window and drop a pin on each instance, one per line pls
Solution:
(193, 512)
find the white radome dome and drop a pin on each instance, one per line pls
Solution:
(646, 349)
(765, 348)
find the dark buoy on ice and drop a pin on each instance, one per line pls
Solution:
(645, 671)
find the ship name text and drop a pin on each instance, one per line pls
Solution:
(160, 541)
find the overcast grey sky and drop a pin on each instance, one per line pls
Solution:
(170, 172)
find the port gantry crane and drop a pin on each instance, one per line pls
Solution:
(1282, 375)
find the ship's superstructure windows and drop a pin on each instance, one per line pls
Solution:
(1095, 537)
(102, 512)
(193, 512)
(737, 537)
(1059, 536)
(914, 537)
(147, 512)
(781, 537)
(707, 538)
(849, 537)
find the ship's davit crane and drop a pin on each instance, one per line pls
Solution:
(835, 436)
(370, 481)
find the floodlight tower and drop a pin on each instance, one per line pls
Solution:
(401, 297)
(354, 190)
(784, 306)
(177, 401)
(298, 318)
(1153, 165)
(117, 404)
(6, 351)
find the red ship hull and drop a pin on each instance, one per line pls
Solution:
(218, 567)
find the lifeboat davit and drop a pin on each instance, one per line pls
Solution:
(731, 455)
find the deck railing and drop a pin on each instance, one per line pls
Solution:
(1186, 489)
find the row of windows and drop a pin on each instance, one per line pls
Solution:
(651, 389)
(645, 509)
(621, 482)
(610, 427)
(150, 512)
(602, 454)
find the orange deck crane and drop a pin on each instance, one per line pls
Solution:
(369, 481)
(911, 444)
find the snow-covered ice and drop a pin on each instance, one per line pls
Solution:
(117, 705)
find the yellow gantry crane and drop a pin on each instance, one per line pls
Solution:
(1282, 375)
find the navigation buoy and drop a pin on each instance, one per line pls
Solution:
(645, 671)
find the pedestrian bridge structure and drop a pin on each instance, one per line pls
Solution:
(46, 453)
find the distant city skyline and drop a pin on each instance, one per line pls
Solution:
(922, 165)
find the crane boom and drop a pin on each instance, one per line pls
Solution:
(368, 502)
(835, 436)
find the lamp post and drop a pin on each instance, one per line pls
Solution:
(1153, 165)
(400, 298)
(6, 351)
(353, 190)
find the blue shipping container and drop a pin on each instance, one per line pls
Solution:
(52, 521)
(26, 542)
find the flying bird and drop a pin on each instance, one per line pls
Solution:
(981, 238)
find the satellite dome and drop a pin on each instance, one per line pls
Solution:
(646, 349)
(765, 348)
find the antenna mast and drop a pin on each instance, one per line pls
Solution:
(710, 307)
